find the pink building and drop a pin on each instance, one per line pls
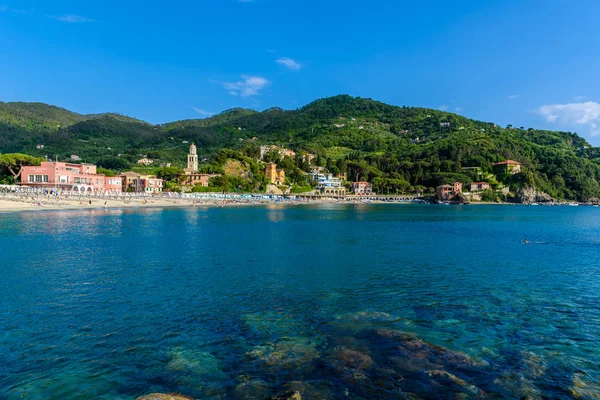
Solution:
(362, 188)
(68, 176)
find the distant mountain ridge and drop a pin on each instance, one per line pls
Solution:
(41, 115)
(419, 146)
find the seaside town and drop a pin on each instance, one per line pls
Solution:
(82, 184)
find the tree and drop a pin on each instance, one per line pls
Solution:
(11, 164)
(115, 163)
(105, 172)
(169, 173)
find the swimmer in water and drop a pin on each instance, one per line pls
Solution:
(526, 241)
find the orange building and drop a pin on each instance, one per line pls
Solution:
(274, 176)
(195, 179)
(448, 192)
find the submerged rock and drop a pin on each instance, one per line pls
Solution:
(415, 354)
(352, 359)
(517, 384)
(310, 391)
(198, 363)
(252, 389)
(289, 395)
(454, 383)
(287, 353)
(584, 388)
(350, 365)
(365, 317)
(164, 396)
(534, 364)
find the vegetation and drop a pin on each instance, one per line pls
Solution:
(398, 149)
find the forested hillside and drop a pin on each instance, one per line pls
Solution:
(396, 148)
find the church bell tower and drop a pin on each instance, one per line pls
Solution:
(192, 159)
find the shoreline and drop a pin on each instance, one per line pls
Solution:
(15, 204)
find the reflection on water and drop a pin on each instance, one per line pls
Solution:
(334, 301)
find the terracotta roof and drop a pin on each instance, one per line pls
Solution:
(445, 186)
(129, 173)
(507, 162)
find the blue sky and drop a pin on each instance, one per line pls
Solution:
(526, 63)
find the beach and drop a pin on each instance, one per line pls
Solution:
(38, 202)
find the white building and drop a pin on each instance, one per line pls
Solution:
(328, 184)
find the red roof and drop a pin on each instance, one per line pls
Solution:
(508, 162)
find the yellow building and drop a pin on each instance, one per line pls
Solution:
(274, 176)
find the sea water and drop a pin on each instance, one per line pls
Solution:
(335, 301)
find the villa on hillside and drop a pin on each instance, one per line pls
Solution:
(508, 166)
(145, 161)
(266, 149)
(448, 192)
(69, 176)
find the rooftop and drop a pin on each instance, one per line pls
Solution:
(507, 162)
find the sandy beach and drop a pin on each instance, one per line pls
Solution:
(15, 204)
(20, 203)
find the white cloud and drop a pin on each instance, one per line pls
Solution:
(289, 63)
(458, 109)
(580, 98)
(575, 114)
(270, 51)
(204, 113)
(249, 86)
(71, 18)
(513, 96)
(443, 107)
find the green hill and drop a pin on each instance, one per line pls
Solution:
(396, 148)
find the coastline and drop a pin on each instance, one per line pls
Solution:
(14, 204)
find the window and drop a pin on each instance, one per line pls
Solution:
(45, 178)
(83, 180)
(77, 180)
(38, 178)
(31, 178)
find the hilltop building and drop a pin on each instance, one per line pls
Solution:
(448, 192)
(274, 176)
(145, 161)
(69, 176)
(508, 166)
(137, 183)
(362, 188)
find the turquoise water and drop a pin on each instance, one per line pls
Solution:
(337, 301)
